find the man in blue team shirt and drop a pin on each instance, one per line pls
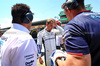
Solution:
(82, 35)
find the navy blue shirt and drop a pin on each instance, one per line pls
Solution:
(82, 36)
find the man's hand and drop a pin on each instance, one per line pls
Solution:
(54, 25)
(58, 54)
(40, 60)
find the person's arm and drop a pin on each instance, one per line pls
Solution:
(76, 60)
(60, 29)
(39, 47)
(39, 43)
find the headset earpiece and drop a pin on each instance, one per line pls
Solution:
(27, 17)
(71, 4)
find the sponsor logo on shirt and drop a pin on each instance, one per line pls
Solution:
(95, 16)
(29, 60)
(3, 39)
(1, 42)
(29, 56)
(29, 63)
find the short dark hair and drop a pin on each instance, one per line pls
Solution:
(17, 11)
(81, 3)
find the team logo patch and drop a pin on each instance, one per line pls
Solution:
(29, 63)
(29, 60)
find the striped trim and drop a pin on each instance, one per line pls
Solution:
(75, 53)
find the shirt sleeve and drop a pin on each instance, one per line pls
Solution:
(75, 40)
(60, 29)
(39, 43)
(24, 53)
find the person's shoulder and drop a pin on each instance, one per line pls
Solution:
(81, 18)
(86, 15)
(54, 30)
(91, 14)
(20, 34)
(42, 31)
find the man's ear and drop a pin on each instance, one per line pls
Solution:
(68, 10)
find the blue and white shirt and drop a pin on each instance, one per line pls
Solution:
(82, 36)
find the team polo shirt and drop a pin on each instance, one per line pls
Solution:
(82, 36)
(18, 48)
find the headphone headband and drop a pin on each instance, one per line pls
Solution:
(71, 4)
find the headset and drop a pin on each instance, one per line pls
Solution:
(27, 17)
(71, 4)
